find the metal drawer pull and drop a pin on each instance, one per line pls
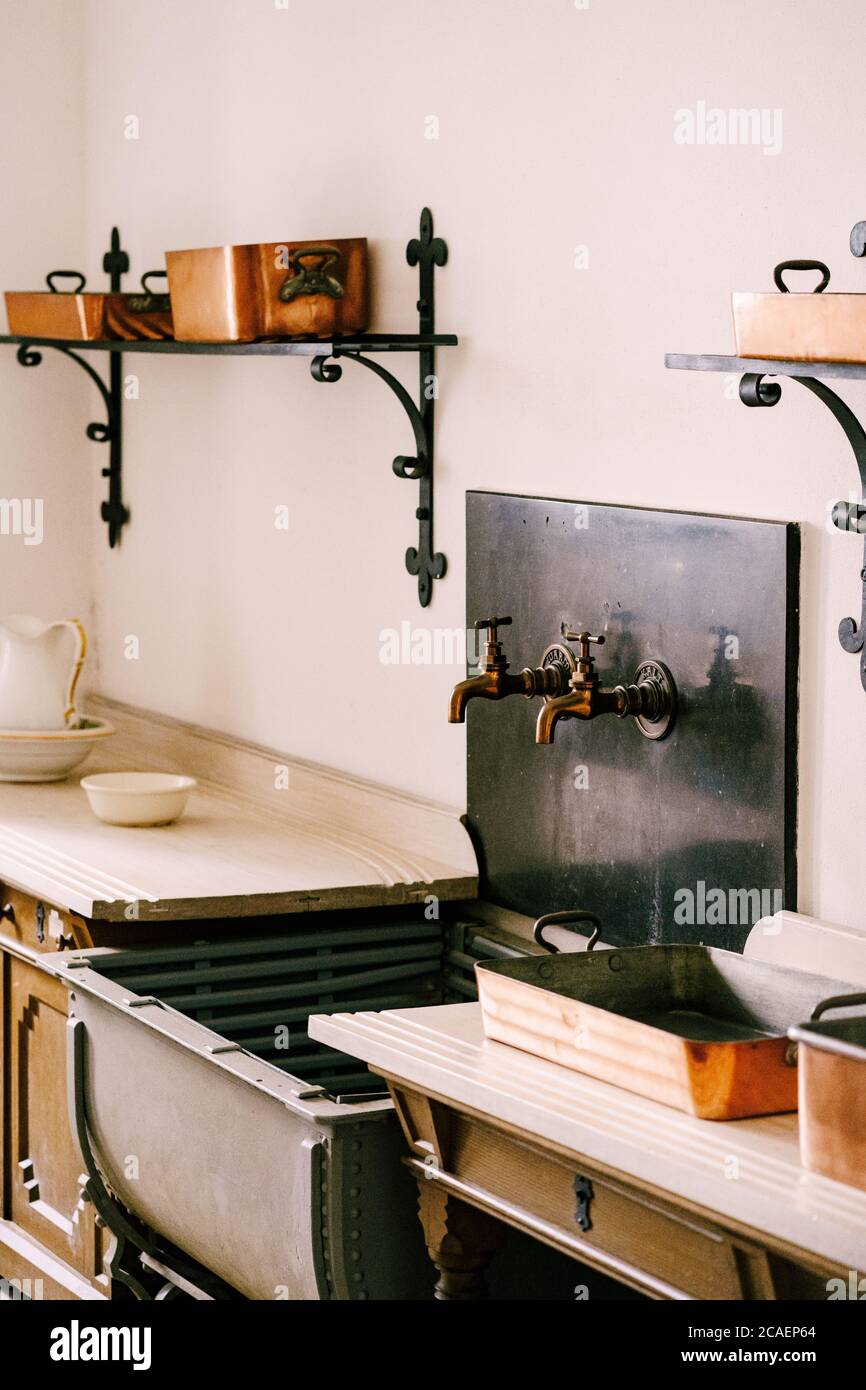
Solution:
(7, 911)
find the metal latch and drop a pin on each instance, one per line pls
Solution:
(345, 1098)
(584, 1194)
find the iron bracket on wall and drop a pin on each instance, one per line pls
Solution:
(425, 251)
(115, 263)
(847, 516)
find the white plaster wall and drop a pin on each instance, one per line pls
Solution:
(44, 456)
(556, 130)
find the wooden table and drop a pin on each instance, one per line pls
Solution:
(675, 1207)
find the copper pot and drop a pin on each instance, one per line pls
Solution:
(74, 316)
(814, 327)
(293, 289)
(832, 1079)
(55, 313)
(145, 313)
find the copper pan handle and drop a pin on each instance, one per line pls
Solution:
(74, 274)
(329, 254)
(801, 265)
(148, 275)
(309, 280)
(561, 919)
(838, 1001)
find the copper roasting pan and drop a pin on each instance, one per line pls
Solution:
(813, 327)
(700, 1029)
(146, 313)
(291, 289)
(832, 1068)
(55, 313)
(89, 317)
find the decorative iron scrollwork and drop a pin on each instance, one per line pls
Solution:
(755, 391)
(113, 512)
(846, 516)
(425, 251)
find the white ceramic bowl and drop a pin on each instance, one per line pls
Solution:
(49, 756)
(137, 798)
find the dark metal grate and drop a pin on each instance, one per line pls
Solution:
(260, 991)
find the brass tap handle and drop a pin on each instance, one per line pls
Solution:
(494, 657)
(585, 673)
(584, 638)
(491, 624)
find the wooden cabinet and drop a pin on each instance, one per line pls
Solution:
(48, 1235)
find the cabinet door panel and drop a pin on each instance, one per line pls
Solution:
(42, 1166)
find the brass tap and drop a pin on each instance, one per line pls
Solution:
(650, 700)
(495, 683)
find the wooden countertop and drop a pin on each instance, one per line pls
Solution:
(263, 833)
(745, 1170)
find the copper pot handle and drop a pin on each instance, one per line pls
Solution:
(560, 919)
(801, 265)
(838, 1001)
(329, 254)
(76, 275)
(148, 274)
(306, 280)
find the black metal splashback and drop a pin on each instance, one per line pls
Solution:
(690, 838)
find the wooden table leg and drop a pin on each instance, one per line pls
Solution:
(460, 1241)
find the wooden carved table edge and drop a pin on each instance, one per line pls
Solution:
(477, 1173)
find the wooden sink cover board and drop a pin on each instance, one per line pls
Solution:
(262, 833)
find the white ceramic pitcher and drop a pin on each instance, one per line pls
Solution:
(39, 668)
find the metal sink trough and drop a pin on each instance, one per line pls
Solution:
(208, 1120)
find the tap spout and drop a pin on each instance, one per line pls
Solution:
(498, 685)
(582, 701)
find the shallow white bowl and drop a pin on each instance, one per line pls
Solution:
(26, 755)
(137, 798)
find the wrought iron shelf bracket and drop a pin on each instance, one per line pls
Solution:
(424, 251)
(847, 516)
(756, 391)
(113, 512)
